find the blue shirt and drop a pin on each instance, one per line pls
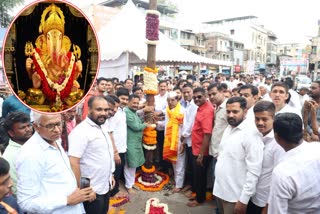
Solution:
(11, 104)
(12, 202)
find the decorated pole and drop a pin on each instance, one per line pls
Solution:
(149, 179)
(150, 77)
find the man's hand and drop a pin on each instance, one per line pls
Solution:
(182, 148)
(92, 196)
(79, 195)
(200, 160)
(240, 208)
(113, 182)
(314, 137)
(117, 159)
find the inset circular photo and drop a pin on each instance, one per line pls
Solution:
(51, 56)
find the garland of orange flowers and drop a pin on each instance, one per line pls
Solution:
(155, 71)
(144, 169)
(150, 136)
(155, 187)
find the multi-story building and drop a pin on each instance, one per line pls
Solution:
(271, 61)
(252, 35)
(221, 46)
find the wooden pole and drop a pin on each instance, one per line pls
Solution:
(151, 63)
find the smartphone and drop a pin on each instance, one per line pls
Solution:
(84, 182)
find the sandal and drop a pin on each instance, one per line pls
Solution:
(176, 190)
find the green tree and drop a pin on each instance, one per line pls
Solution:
(5, 7)
(169, 3)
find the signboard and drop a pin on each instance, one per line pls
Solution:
(237, 68)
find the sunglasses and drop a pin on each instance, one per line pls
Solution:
(197, 97)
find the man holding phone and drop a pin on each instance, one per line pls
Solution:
(46, 183)
(91, 155)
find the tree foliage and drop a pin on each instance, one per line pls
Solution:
(5, 7)
(168, 3)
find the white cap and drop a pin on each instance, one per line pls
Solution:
(172, 94)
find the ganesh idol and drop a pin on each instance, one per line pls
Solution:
(52, 66)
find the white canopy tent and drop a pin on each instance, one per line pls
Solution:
(122, 43)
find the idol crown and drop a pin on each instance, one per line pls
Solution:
(55, 20)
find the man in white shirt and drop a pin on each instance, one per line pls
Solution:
(119, 126)
(46, 183)
(251, 94)
(264, 93)
(264, 116)
(295, 183)
(217, 98)
(91, 154)
(239, 161)
(160, 102)
(294, 101)
(188, 121)
(279, 95)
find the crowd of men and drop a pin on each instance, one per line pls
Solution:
(245, 132)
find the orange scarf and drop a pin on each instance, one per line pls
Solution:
(171, 139)
(9, 209)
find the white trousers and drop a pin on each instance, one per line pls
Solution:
(129, 176)
(179, 169)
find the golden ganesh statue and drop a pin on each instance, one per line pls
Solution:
(51, 66)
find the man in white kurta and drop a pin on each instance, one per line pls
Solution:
(295, 183)
(264, 116)
(239, 161)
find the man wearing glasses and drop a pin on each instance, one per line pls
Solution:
(201, 134)
(46, 183)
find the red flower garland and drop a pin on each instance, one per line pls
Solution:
(49, 93)
(152, 28)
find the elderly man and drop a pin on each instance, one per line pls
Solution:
(172, 143)
(46, 183)
(92, 156)
(19, 128)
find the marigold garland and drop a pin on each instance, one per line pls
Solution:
(117, 202)
(150, 136)
(144, 169)
(155, 187)
(149, 140)
(152, 92)
(155, 71)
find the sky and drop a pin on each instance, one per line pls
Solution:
(290, 20)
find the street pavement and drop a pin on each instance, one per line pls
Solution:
(176, 202)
